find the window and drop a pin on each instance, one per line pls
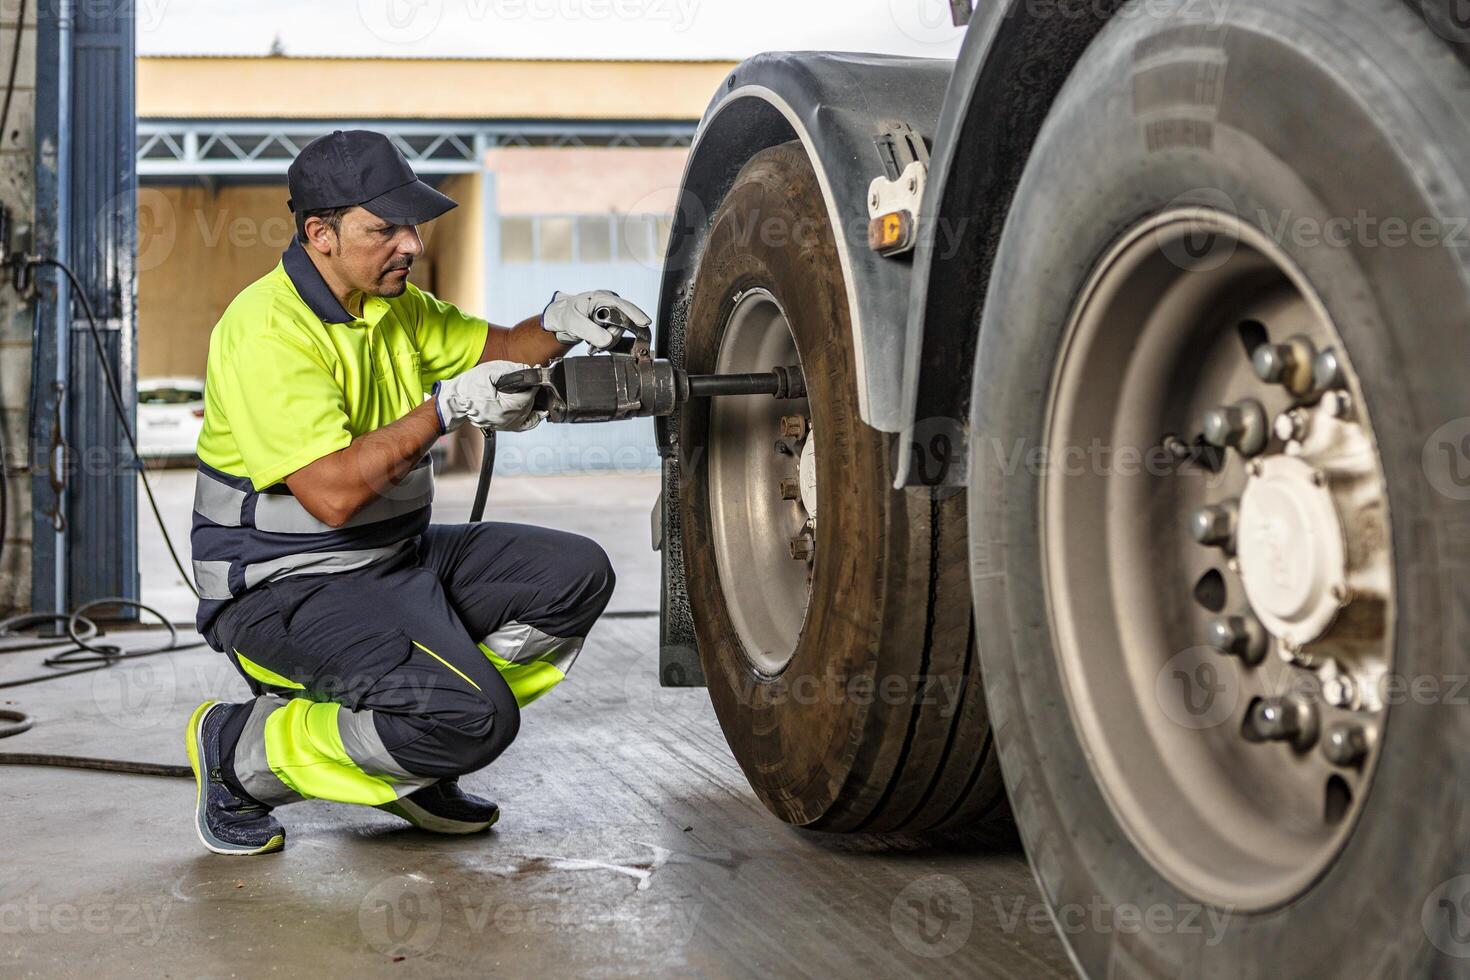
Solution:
(555, 240)
(591, 238)
(516, 239)
(635, 239)
(594, 239)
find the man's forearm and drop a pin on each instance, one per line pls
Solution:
(524, 343)
(337, 486)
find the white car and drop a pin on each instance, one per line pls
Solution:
(170, 416)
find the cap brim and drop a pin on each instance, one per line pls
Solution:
(411, 204)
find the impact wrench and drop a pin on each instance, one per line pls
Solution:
(627, 383)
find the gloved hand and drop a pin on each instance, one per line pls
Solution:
(569, 316)
(472, 397)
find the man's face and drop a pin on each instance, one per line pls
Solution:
(368, 254)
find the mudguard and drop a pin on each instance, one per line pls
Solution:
(1014, 60)
(840, 106)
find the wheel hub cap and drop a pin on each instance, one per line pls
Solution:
(1291, 549)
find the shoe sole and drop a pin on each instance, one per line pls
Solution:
(194, 743)
(424, 820)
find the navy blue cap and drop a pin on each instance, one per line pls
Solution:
(358, 166)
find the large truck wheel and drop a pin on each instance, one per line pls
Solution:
(1223, 623)
(832, 612)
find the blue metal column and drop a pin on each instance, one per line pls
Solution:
(86, 148)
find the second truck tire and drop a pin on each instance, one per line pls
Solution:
(1299, 140)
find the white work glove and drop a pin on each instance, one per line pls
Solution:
(472, 397)
(569, 316)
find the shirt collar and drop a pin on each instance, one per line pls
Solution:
(315, 292)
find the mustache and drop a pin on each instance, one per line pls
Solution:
(397, 264)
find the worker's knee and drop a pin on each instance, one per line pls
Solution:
(461, 738)
(600, 576)
(590, 581)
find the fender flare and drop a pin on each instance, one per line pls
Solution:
(835, 104)
(1016, 56)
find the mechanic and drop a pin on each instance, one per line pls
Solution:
(388, 656)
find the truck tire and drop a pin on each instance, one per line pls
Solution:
(846, 684)
(1218, 197)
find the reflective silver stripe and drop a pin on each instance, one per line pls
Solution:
(212, 579)
(520, 643)
(563, 658)
(252, 767)
(216, 501)
(365, 748)
(322, 562)
(281, 513)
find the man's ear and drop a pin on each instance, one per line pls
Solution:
(320, 236)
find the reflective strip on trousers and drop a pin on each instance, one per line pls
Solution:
(532, 662)
(302, 749)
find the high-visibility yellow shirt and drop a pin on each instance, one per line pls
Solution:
(292, 376)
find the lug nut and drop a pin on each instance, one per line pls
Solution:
(803, 547)
(793, 427)
(1327, 371)
(1289, 719)
(1215, 525)
(1242, 426)
(1346, 744)
(1273, 362)
(1288, 364)
(782, 449)
(1239, 636)
(790, 489)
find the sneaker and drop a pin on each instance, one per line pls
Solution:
(226, 823)
(444, 808)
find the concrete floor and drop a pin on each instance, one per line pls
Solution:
(630, 843)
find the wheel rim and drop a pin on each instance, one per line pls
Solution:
(762, 489)
(1221, 600)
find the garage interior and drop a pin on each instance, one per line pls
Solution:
(1038, 530)
(631, 841)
